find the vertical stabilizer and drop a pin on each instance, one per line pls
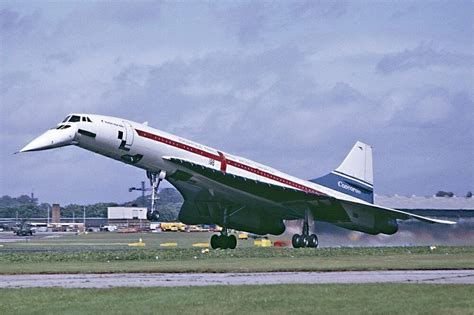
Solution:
(354, 176)
(358, 163)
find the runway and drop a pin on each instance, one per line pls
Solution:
(206, 279)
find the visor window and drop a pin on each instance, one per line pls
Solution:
(75, 119)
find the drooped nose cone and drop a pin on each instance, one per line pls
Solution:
(53, 138)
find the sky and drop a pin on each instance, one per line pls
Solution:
(290, 84)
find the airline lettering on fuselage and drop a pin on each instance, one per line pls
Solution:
(111, 123)
(348, 187)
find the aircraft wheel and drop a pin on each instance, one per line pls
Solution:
(215, 241)
(223, 242)
(303, 241)
(313, 241)
(232, 242)
(295, 241)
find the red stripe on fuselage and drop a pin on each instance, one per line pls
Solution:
(224, 161)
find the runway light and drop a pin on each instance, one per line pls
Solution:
(205, 245)
(139, 244)
(262, 243)
(169, 244)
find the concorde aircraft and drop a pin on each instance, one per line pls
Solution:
(231, 191)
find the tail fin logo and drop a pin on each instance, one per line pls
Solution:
(348, 187)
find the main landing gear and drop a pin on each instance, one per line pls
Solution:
(305, 239)
(224, 240)
(155, 180)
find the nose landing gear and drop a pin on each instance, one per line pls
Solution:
(155, 180)
(305, 239)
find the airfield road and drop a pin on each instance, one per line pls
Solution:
(206, 279)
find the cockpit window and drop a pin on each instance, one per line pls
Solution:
(88, 119)
(84, 118)
(75, 118)
(65, 119)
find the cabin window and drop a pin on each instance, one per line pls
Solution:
(75, 118)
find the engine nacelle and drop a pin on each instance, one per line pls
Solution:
(379, 225)
(386, 226)
(244, 220)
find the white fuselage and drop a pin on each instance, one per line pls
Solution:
(148, 148)
(154, 145)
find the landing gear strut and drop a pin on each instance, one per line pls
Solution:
(155, 180)
(305, 239)
(224, 240)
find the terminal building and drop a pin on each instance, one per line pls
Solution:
(432, 206)
(128, 218)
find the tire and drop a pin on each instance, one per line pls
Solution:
(223, 242)
(313, 241)
(303, 241)
(294, 241)
(215, 241)
(232, 242)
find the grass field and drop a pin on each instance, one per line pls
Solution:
(271, 299)
(108, 252)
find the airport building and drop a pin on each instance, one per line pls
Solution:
(128, 218)
(432, 206)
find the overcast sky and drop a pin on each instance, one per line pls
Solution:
(290, 84)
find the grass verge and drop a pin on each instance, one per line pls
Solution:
(274, 299)
(238, 260)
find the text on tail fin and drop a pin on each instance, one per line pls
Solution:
(354, 176)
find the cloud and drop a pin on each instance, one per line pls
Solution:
(247, 20)
(317, 9)
(62, 58)
(426, 106)
(289, 84)
(257, 22)
(129, 12)
(422, 57)
(12, 21)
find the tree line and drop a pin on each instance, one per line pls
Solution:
(24, 206)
